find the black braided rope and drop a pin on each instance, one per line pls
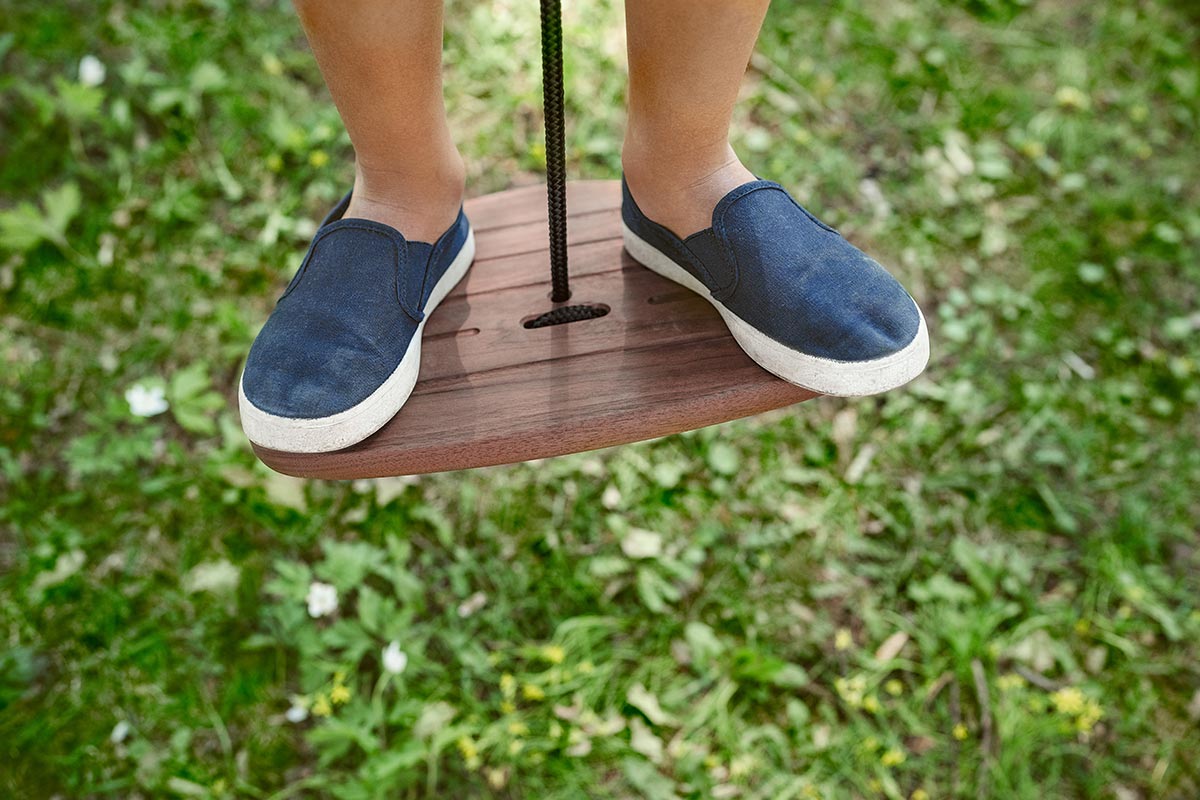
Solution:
(556, 168)
(564, 314)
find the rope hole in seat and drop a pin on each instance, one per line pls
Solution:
(565, 314)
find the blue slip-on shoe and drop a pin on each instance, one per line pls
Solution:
(340, 353)
(803, 302)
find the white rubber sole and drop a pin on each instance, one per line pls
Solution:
(324, 434)
(823, 375)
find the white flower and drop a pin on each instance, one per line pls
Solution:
(322, 599)
(394, 659)
(472, 604)
(145, 401)
(611, 497)
(639, 543)
(297, 713)
(119, 732)
(91, 71)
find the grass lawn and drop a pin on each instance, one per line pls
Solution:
(984, 585)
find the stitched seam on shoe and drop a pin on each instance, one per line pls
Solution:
(698, 264)
(730, 254)
(312, 248)
(809, 214)
(398, 259)
(402, 261)
(719, 227)
(295, 281)
(321, 233)
(669, 237)
(727, 291)
(433, 260)
(447, 236)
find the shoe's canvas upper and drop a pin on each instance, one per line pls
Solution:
(791, 276)
(347, 317)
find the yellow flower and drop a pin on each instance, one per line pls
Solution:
(318, 158)
(1009, 681)
(851, 690)
(553, 653)
(1082, 626)
(742, 765)
(960, 731)
(842, 640)
(272, 65)
(507, 707)
(1091, 714)
(515, 746)
(517, 728)
(919, 794)
(274, 162)
(1068, 700)
(1033, 149)
(894, 687)
(1071, 98)
(339, 694)
(585, 667)
(508, 684)
(466, 746)
(870, 704)
(470, 752)
(531, 692)
(892, 757)
(321, 707)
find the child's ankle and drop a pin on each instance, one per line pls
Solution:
(420, 203)
(681, 193)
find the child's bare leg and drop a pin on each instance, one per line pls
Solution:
(686, 63)
(382, 61)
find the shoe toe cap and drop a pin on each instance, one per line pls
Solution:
(835, 304)
(863, 313)
(802, 283)
(291, 371)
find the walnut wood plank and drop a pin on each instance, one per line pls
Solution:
(491, 391)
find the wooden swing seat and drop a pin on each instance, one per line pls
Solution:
(491, 391)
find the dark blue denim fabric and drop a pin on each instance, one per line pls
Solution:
(347, 317)
(791, 276)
